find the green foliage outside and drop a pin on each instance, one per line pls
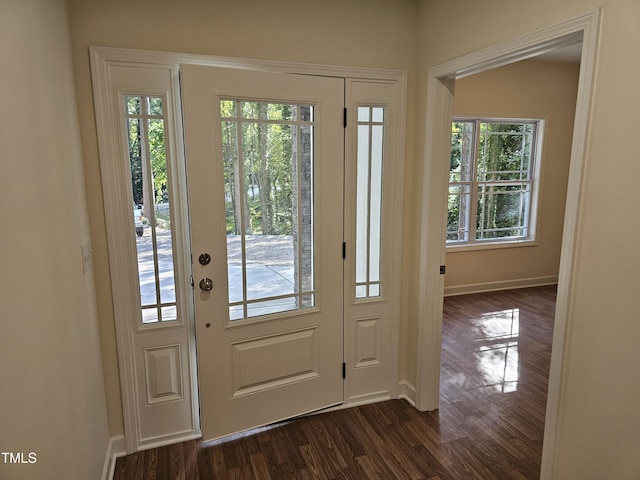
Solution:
(261, 180)
(457, 201)
(157, 157)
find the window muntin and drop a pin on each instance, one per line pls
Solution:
(146, 131)
(370, 152)
(491, 181)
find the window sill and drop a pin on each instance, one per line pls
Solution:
(467, 247)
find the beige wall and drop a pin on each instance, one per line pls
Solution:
(598, 424)
(369, 33)
(600, 382)
(529, 89)
(52, 401)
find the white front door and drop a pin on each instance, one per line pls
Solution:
(264, 155)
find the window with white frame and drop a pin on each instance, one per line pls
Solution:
(493, 181)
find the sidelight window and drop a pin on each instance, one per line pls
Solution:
(371, 124)
(151, 206)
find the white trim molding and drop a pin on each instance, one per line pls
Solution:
(406, 391)
(115, 450)
(501, 285)
(440, 88)
(128, 56)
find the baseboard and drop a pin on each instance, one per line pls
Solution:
(163, 441)
(503, 285)
(407, 392)
(366, 399)
(115, 449)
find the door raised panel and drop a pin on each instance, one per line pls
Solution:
(368, 342)
(163, 371)
(274, 361)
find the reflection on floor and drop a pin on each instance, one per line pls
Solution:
(495, 361)
(497, 348)
(496, 352)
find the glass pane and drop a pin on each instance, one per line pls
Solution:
(133, 105)
(271, 306)
(227, 108)
(268, 164)
(135, 164)
(267, 111)
(461, 151)
(369, 170)
(149, 315)
(151, 208)
(378, 114)
(458, 211)
(236, 312)
(376, 203)
(363, 114)
(502, 149)
(303, 209)
(233, 206)
(169, 313)
(525, 166)
(155, 105)
(501, 211)
(362, 203)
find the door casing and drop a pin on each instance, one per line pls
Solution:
(439, 114)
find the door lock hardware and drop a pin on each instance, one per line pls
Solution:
(204, 259)
(206, 285)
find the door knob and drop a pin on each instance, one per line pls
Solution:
(204, 259)
(206, 285)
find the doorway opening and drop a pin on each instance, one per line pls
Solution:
(440, 101)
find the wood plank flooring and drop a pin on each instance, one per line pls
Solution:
(496, 351)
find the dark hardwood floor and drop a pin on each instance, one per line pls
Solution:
(496, 351)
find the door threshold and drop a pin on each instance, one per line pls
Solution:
(269, 426)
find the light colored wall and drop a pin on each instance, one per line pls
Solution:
(529, 89)
(52, 401)
(368, 33)
(598, 413)
(598, 410)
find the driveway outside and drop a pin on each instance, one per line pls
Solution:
(269, 273)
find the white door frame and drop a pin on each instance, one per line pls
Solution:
(440, 95)
(117, 210)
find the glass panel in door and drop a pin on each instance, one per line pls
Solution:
(268, 192)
